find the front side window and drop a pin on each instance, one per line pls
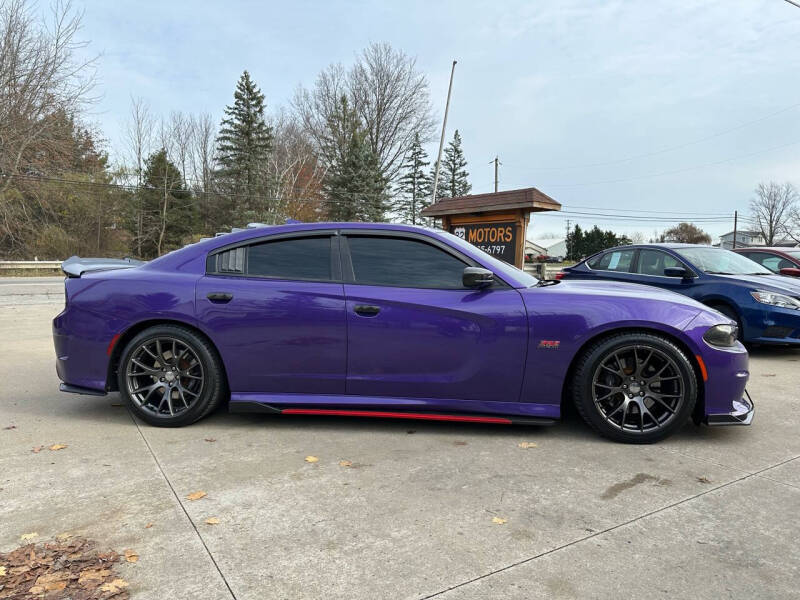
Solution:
(653, 262)
(302, 258)
(616, 260)
(403, 262)
(771, 261)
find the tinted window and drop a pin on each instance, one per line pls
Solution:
(653, 262)
(771, 261)
(403, 262)
(618, 260)
(304, 258)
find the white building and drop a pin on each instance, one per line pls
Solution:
(551, 247)
(751, 238)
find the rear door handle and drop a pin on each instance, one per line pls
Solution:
(220, 296)
(366, 310)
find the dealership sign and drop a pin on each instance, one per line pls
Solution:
(497, 239)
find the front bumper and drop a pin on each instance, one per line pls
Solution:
(742, 414)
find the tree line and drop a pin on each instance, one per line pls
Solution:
(350, 147)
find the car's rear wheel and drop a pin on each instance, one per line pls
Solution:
(170, 376)
(635, 387)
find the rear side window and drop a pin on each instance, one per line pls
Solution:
(617, 260)
(773, 262)
(304, 258)
(298, 258)
(404, 263)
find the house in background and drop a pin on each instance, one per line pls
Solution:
(550, 247)
(746, 239)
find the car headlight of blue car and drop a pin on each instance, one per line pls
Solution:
(774, 299)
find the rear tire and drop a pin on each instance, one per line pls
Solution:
(636, 387)
(170, 376)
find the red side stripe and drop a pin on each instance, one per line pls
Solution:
(394, 415)
(112, 343)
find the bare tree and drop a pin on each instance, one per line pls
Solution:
(772, 209)
(389, 95)
(139, 142)
(202, 158)
(41, 75)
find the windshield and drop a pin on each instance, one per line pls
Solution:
(722, 262)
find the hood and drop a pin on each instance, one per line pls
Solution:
(619, 289)
(771, 283)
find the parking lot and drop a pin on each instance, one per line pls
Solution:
(397, 509)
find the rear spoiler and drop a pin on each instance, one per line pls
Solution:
(75, 266)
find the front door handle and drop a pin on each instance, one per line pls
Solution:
(220, 296)
(366, 310)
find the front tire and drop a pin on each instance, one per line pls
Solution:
(170, 376)
(635, 387)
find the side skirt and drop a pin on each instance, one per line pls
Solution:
(258, 407)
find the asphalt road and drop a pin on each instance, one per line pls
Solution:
(710, 513)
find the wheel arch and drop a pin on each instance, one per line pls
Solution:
(126, 336)
(699, 409)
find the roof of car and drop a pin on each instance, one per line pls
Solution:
(779, 249)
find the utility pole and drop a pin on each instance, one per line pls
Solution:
(567, 241)
(441, 141)
(497, 163)
(735, 226)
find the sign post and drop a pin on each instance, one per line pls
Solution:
(496, 223)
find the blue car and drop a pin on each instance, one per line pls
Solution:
(766, 306)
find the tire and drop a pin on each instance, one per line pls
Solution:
(185, 385)
(618, 391)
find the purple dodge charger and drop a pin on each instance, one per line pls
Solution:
(390, 321)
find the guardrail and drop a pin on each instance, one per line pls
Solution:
(537, 270)
(29, 264)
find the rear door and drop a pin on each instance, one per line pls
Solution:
(275, 309)
(650, 270)
(414, 331)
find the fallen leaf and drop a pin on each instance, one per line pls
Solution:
(210, 439)
(345, 463)
(2, 571)
(148, 526)
(114, 587)
(63, 536)
(311, 459)
(93, 575)
(527, 444)
(498, 520)
(28, 536)
(703, 480)
(212, 521)
(37, 449)
(10, 427)
(196, 495)
(131, 556)
(769, 375)
(459, 443)
(57, 447)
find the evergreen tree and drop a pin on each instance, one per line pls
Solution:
(354, 185)
(243, 146)
(414, 185)
(169, 211)
(453, 175)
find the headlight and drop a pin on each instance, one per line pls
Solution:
(722, 336)
(774, 299)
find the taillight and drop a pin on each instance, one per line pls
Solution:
(560, 275)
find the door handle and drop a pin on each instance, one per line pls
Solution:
(366, 310)
(220, 296)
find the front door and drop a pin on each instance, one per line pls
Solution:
(414, 331)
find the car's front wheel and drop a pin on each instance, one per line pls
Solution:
(635, 387)
(170, 376)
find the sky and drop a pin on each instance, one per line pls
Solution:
(645, 111)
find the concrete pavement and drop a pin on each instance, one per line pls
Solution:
(709, 513)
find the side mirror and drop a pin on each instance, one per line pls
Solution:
(477, 277)
(677, 272)
(790, 272)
